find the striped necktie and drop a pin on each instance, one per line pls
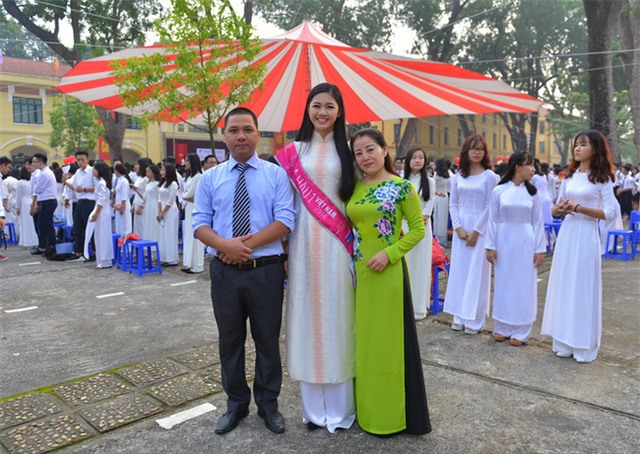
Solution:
(241, 223)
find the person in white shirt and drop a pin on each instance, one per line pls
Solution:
(5, 166)
(46, 193)
(84, 186)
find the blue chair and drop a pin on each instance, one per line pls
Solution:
(116, 249)
(140, 255)
(11, 230)
(628, 249)
(436, 303)
(67, 233)
(180, 240)
(552, 230)
(634, 224)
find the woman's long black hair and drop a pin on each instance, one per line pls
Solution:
(122, 170)
(170, 175)
(305, 133)
(104, 172)
(424, 179)
(442, 167)
(519, 158)
(194, 163)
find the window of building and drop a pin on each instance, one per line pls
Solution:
(541, 127)
(133, 123)
(446, 136)
(495, 118)
(484, 118)
(181, 127)
(396, 132)
(291, 135)
(198, 129)
(27, 110)
(266, 134)
(432, 134)
(495, 141)
(459, 136)
(541, 147)
(504, 142)
(484, 135)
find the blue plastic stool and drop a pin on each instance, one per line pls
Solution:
(436, 306)
(626, 238)
(141, 257)
(180, 240)
(11, 230)
(552, 231)
(123, 256)
(116, 250)
(67, 233)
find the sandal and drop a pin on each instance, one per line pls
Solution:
(457, 326)
(516, 343)
(471, 331)
(499, 337)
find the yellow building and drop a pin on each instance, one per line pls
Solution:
(442, 136)
(26, 92)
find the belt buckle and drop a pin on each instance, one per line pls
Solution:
(254, 264)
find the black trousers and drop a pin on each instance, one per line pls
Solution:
(46, 230)
(255, 294)
(81, 211)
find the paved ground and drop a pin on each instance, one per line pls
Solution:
(99, 372)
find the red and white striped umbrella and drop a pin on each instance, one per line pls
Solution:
(375, 85)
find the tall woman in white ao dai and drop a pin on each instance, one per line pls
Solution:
(573, 309)
(168, 215)
(193, 248)
(467, 297)
(419, 258)
(515, 246)
(101, 215)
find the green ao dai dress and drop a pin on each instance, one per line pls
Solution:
(389, 384)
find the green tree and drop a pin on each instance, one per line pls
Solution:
(204, 68)
(366, 23)
(75, 125)
(630, 58)
(18, 43)
(96, 28)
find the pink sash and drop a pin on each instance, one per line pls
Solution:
(316, 201)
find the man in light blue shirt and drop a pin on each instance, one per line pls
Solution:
(247, 273)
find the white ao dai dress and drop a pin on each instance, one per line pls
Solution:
(192, 248)
(467, 296)
(516, 232)
(441, 209)
(573, 308)
(540, 182)
(149, 203)
(320, 321)
(103, 234)
(419, 258)
(123, 221)
(169, 226)
(138, 201)
(27, 229)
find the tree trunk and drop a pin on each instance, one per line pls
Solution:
(515, 122)
(248, 11)
(533, 138)
(464, 125)
(114, 129)
(407, 137)
(602, 18)
(630, 39)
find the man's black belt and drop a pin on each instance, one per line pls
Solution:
(255, 263)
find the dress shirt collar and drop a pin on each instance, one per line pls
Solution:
(254, 161)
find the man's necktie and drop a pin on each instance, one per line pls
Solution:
(241, 220)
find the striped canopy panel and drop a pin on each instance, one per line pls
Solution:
(375, 85)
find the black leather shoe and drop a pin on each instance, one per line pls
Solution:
(273, 420)
(230, 421)
(311, 426)
(37, 252)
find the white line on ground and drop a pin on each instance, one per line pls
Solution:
(29, 263)
(30, 308)
(539, 280)
(178, 418)
(182, 283)
(110, 294)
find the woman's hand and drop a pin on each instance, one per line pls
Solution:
(491, 256)
(425, 218)
(139, 211)
(379, 261)
(472, 238)
(159, 217)
(462, 233)
(93, 217)
(538, 259)
(19, 211)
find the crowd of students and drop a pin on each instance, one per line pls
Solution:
(96, 200)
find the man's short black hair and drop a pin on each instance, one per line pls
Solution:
(41, 157)
(240, 111)
(4, 160)
(82, 153)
